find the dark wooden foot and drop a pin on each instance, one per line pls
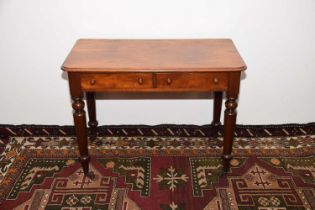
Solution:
(90, 97)
(222, 173)
(90, 175)
(226, 163)
(84, 160)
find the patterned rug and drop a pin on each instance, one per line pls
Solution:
(165, 167)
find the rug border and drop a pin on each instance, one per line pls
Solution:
(272, 130)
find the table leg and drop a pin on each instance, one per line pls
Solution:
(230, 120)
(90, 98)
(217, 108)
(80, 122)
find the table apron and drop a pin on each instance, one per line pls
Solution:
(154, 82)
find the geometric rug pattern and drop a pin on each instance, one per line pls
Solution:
(168, 167)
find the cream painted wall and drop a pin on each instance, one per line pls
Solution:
(275, 38)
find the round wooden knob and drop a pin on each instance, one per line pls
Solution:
(169, 81)
(140, 81)
(92, 81)
(215, 80)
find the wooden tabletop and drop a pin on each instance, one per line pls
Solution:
(105, 55)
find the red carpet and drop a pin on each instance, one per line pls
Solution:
(144, 167)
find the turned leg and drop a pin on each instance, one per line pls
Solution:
(80, 129)
(80, 122)
(229, 127)
(90, 97)
(217, 108)
(230, 120)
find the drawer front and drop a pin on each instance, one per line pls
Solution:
(192, 81)
(116, 81)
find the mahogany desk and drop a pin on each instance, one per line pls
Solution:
(97, 65)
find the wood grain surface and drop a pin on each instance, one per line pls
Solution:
(101, 55)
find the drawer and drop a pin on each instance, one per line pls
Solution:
(116, 81)
(192, 81)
